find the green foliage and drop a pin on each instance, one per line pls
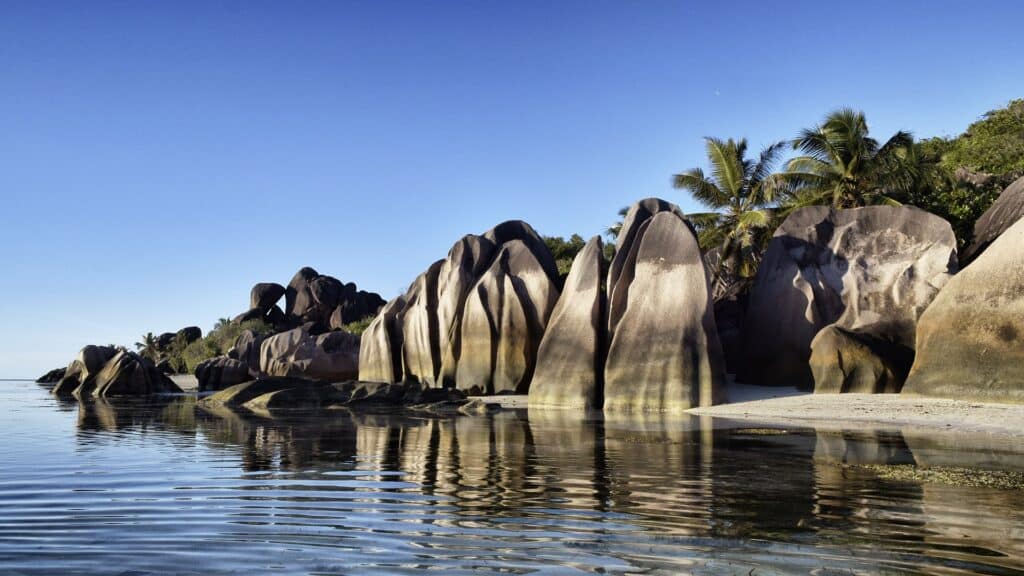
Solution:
(741, 192)
(217, 342)
(564, 252)
(843, 166)
(359, 326)
(147, 347)
(993, 145)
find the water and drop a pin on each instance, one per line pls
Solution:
(164, 487)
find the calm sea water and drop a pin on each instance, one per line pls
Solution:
(164, 487)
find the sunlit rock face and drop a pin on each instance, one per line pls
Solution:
(869, 271)
(83, 369)
(1004, 213)
(492, 294)
(970, 341)
(380, 350)
(330, 357)
(128, 374)
(664, 353)
(570, 360)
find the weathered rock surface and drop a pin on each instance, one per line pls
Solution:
(570, 360)
(421, 348)
(281, 394)
(52, 377)
(329, 357)
(220, 373)
(468, 259)
(187, 335)
(1004, 212)
(970, 341)
(664, 353)
(128, 374)
(83, 369)
(265, 295)
(380, 349)
(845, 361)
(247, 351)
(871, 271)
(504, 320)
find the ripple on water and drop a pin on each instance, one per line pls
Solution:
(107, 488)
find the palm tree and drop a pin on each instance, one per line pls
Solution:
(148, 346)
(612, 232)
(844, 167)
(740, 192)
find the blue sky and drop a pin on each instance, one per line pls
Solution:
(158, 158)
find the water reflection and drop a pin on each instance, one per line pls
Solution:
(520, 491)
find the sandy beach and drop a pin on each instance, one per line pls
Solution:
(787, 406)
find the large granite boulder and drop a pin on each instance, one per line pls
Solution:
(265, 295)
(970, 341)
(423, 340)
(247, 351)
(163, 341)
(504, 320)
(220, 373)
(870, 271)
(664, 353)
(128, 374)
(570, 360)
(330, 357)
(468, 259)
(298, 284)
(84, 368)
(187, 335)
(380, 349)
(421, 345)
(846, 361)
(1004, 212)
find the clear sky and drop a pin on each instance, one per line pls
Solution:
(158, 158)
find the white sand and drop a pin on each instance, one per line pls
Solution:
(782, 406)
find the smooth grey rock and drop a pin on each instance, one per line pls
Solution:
(421, 346)
(128, 374)
(220, 373)
(1004, 212)
(265, 295)
(503, 322)
(844, 361)
(664, 353)
(570, 360)
(329, 357)
(871, 271)
(970, 341)
(468, 259)
(380, 350)
(511, 230)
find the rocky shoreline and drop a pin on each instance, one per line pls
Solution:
(845, 303)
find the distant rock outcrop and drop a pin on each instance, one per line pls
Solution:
(83, 369)
(52, 377)
(869, 271)
(970, 340)
(664, 353)
(319, 302)
(1004, 212)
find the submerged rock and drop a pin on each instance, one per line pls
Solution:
(570, 360)
(664, 353)
(970, 341)
(870, 271)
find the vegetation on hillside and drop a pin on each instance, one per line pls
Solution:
(217, 342)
